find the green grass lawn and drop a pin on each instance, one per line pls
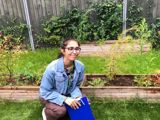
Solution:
(146, 63)
(103, 109)
(29, 110)
(35, 62)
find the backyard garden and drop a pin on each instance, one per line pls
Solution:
(126, 66)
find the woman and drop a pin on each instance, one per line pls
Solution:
(60, 82)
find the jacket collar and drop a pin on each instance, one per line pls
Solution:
(60, 65)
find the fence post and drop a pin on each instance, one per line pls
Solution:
(124, 17)
(29, 24)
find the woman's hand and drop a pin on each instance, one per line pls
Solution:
(73, 103)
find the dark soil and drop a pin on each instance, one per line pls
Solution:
(17, 80)
(119, 80)
(125, 80)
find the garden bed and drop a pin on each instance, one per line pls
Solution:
(122, 87)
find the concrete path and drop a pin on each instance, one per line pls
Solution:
(111, 46)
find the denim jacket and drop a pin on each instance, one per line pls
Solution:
(55, 80)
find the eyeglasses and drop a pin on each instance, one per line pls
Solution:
(71, 49)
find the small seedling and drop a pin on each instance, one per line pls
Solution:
(97, 82)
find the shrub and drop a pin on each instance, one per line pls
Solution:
(134, 14)
(101, 20)
(98, 21)
(13, 27)
(6, 55)
(155, 39)
(57, 28)
(96, 82)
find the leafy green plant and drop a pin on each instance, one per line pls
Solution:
(57, 28)
(155, 35)
(143, 33)
(115, 53)
(96, 82)
(26, 76)
(99, 19)
(27, 79)
(6, 55)
(143, 81)
(134, 13)
(14, 27)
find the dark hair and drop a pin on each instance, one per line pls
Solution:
(64, 43)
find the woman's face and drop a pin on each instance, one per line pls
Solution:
(71, 51)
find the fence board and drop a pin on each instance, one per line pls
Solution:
(158, 8)
(155, 8)
(58, 7)
(39, 10)
(43, 8)
(1, 8)
(5, 7)
(61, 7)
(14, 7)
(31, 12)
(9, 5)
(82, 4)
(48, 7)
(68, 5)
(74, 3)
(22, 9)
(35, 11)
(54, 7)
(64, 5)
(19, 10)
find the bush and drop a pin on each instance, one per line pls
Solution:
(100, 21)
(155, 39)
(134, 14)
(57, 28)
(13, 27)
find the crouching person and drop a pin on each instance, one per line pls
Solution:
(61, 81)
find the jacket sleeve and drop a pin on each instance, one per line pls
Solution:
(77, 92)
(47, 91)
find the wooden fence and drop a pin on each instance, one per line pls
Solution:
(39, 9)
